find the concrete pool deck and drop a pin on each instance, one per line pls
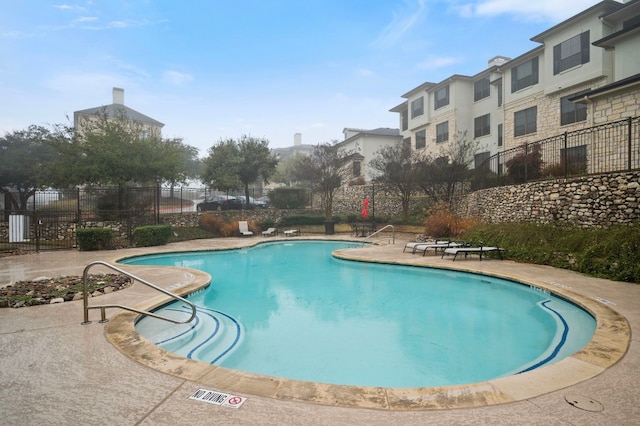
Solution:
(53, 370)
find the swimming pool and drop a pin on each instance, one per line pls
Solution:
(292, 310)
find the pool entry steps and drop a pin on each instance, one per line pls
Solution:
(85, 293)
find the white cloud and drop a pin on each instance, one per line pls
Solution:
(121, 24)
(176, 77)
(435, 62)
(402, 22)
(62, 6)
(364, 72)
(14, 34)
(538, 10)
(85, 19)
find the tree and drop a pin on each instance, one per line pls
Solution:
(179, 162)
(256, 161)
(25, 159)
(221, 166)
(116, 151)
(326, 169)
(441, 177)
(398, 170)
(235, 164)
(285, 170)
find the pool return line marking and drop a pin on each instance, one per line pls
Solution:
(218, 398)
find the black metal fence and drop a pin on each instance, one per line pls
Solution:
(607, 148)
(50, 218)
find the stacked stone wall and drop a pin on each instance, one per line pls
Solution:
(591, 201)
(617, 106)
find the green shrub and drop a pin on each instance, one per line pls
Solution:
(289, 198)
(612, 253)
(95, 239)
(154, 235)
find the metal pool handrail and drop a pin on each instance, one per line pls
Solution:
(393, 233)
(102, 308)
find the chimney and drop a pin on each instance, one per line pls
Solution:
(297, 139)
(497, 61)
(118, 96)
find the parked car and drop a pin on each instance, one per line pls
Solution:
(265, 200)
(254, 203)
(219, 202)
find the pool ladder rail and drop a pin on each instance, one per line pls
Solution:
(389, 240)
(85, 293)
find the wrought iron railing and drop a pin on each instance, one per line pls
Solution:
(606, 148)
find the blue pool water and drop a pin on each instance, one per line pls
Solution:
(290, 309)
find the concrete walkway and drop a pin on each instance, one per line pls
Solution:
(53, 370)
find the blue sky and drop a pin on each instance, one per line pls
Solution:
(267, 68)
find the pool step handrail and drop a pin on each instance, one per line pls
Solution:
(387, 239)
(85, 294)
(393, 233)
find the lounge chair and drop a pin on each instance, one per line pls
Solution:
(244, 229)
(472, 250)
(292, 232)
(438, 245)
(413, 244)
(271, 232)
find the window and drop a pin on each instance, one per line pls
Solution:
(441, 97)
(500, 94)
(482, 126)
(356, 168)
(481, 89)
(525, 121)
(442, 132)
(421, 139)
(404, 116)
(570, 112)
(480, 160)
(524, 75)
(500, 134)
(417, 107)
(571, 53)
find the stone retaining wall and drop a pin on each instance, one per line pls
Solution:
(591, 201)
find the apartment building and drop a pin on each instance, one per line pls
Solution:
(362, 146)
(586, 71)
(117, 108)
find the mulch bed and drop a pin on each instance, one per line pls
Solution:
(61, 289)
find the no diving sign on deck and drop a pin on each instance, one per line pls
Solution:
(218, 398)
